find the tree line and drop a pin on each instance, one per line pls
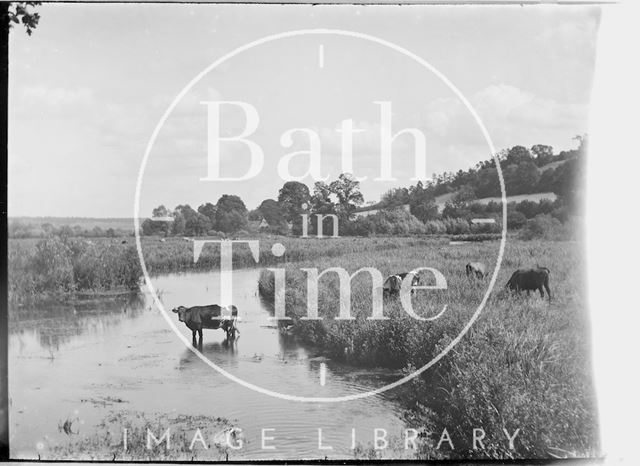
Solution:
(525, 171)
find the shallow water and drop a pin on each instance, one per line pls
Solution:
(85, 360)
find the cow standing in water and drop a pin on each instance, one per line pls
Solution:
(197, 318)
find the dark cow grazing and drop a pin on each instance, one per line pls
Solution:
(213, 317)
(530, 279)
(393, 283)
(477, 269)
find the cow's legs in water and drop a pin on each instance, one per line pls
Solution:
(193, 338)
(200, 338)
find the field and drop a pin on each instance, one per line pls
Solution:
(524, 364)
(535, 197)
(86, 223)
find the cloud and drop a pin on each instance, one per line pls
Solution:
(38, 101)
(365, 140)
(57, 96)
(569, 37)
(511, 115)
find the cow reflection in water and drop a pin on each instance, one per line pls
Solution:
(213, 317)
(223, 353)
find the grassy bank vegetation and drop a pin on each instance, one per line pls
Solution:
(175, 254)
(106, 444)
(524, 364)
(61, 265)
(58, 266)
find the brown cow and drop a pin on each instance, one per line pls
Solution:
(213, 317)
(530, 279)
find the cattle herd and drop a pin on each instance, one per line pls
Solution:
(534, 279)
(213, 316)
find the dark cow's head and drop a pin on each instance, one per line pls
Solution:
(182, 313)
(392, 284)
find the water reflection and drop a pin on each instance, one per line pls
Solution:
(52, 325)
(219, 352)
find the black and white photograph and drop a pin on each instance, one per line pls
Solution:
(246, 232)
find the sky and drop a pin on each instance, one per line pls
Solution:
(89, 87)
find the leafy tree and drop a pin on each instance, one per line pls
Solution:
(208, 210)
(148, 227)
(517, 155)
(347, 190)
(422, 202)
(230, 202)
(487, 182)
(528, 208)
(453, 210)
(542, 226)
(255, 215)
(515, 220)
(20, 12)
(395, 197)
(231, 214)
(526, 179)
(197, 224)
(153, 227)
(395, 222)
(425, 209)
(179, 222)
(273, 213)
(231, 222)
(465, 194)
(542, 153)
(291, 197)
(193, 221)
(161, 211)
(522, 178)
(158, 227)
(321, 202)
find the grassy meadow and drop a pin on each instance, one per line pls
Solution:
(524, 364)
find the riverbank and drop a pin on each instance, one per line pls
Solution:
(523, 365)
(524, 359)
(62, 268)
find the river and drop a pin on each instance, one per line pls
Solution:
(84, 360)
